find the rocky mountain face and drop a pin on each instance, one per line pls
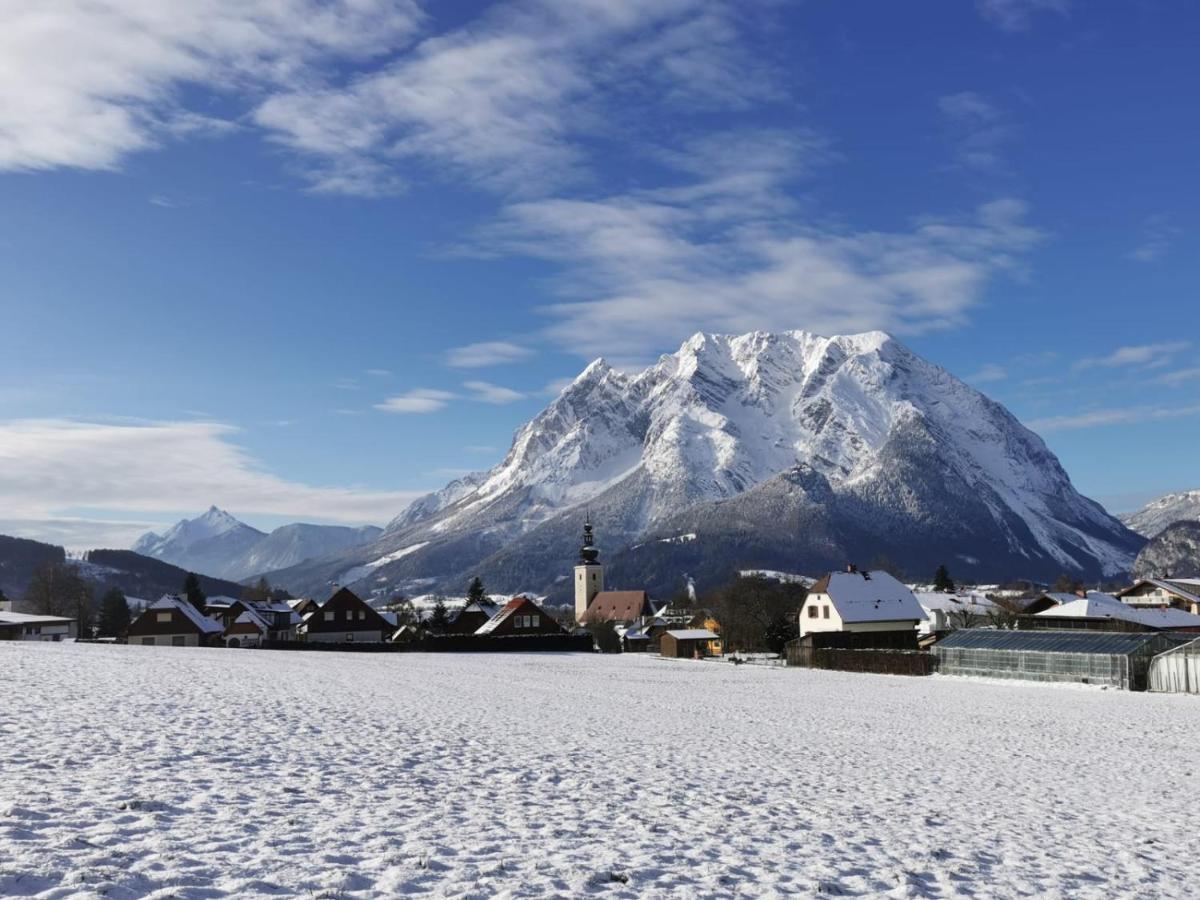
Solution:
(1174, 551)
(784, 451)
(218, 544)
(1154, 517)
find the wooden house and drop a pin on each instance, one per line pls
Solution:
(171, 621)
(473, 616)
(521, 616)
(343, 618)
(1177, 593)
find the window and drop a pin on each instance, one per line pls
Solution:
(825, 611)
(329, 615)
(533, 621)
(812, 612)
(178, 640)
(349, 636)
(162, 617)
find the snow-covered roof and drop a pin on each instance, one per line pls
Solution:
(964, 600)
(1104, 606)
(1187, 588)
(197, 618)
(251, 616)
(15, 618)
(869, 597)
(693, 634)
(510, 609)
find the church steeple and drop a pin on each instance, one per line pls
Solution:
(589, 574)
(588, 554)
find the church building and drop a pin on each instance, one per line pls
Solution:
(592, 602)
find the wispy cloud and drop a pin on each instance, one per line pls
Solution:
(50, 468)
(1146, 356)
(1180, 377)
(1018, 15)
(503, 101)
(486, 353)
(989, 374)
(720, 252)
(1158, 235)
(418, 400)
(379, 373)
(1102, 417)
(486, 392)
(979, 129)
(84, 84)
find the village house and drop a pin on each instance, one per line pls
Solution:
(945, 611)
(521, 616)
(1179, 593)
(859, 601)
(171, 621)
(473, 616)
(250, 622)
(16, 626)
(1102, 612)
(343, 618)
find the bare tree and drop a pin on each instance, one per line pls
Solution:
(57, 589)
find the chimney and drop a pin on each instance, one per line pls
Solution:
(851, 568)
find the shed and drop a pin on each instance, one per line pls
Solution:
(1176, 671)
(1115, 659)
(687, 643)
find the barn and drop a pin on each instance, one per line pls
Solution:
(687, 643)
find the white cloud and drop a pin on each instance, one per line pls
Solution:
(84, 83)
(980, 129)
(419, 400)
(504, 100)
(486, 353)
(379, 373)
(1148, 356)
(988, 374)
(1158, 235)
(1182, 376)
(486, 392)
(1018, 15)
(51, 469)
(1102, 417)
(722, 253)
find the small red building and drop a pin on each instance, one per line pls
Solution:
(521, 616)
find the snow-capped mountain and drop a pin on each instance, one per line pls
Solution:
(1154, 517)
(785, 451)
(1174, 551)
(218, 544)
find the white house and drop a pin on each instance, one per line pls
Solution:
(859, 601)
(33, 627)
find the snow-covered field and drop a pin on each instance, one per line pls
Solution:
(127, 771)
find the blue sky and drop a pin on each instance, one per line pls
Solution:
(305, 260)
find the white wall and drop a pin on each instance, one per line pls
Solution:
(164, 640)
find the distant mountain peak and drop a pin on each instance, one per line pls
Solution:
(791, 448)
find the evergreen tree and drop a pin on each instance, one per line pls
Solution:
(476, 592)
(114, 614)
(439, 620)
(259, 593)
(942, 580)
(191, 589)
(3, 599)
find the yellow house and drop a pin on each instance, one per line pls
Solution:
(706, 621)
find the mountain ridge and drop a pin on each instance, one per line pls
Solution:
(873, 448)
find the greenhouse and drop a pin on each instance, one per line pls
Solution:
(1116, 659)
(1177, 671)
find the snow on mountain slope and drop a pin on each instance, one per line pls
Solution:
(888, 445)
(1156, 516)
(218, 544)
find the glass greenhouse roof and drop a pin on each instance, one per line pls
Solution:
(1051, 641)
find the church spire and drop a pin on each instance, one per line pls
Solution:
(588, 554)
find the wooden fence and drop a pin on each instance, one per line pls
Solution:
(882, 662)
(453, 643)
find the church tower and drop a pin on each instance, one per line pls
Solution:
(589, 574)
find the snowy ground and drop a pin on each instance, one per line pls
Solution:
(129, 771)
